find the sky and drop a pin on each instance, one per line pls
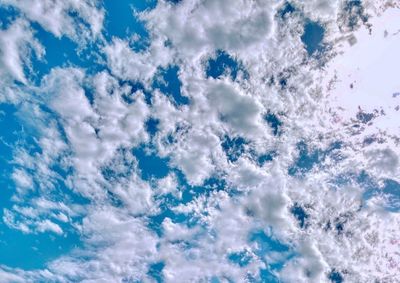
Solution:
(199, 141)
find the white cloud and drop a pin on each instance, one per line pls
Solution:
(17, 44)
(344, 231)
(10, 276)
(239, 111)
(56, 16)
(195, 27)
(127, 64)
(122, 245)
(22, 179)
(47, 225)
(167, 185)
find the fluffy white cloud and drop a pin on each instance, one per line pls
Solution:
(127, 64)
(198, 26)
(57, 16)
(47, 225)
(22, 179)
(90, 126)
(17, 44)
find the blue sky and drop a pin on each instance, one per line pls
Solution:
(198, 141)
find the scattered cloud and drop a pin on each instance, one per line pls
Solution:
(168, 172)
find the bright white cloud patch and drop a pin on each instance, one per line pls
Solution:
(57, 16)
(242, 141)
(366, 72)
(17, 45)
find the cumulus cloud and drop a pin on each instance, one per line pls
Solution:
(17, 45)
(296, 204)
(56, 16)
(195, 27)
(119, 54)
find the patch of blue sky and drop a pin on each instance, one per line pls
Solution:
(390, 191)
(134, 87)
(10, 127)
(145, 5)
(312, 37)
(168, 202)
(14, 134)
(152, 126)
(174, 1)
(283, 81)
(341, 180)
(234, 147)
(168, 82)
(308, 159)
(286, 9)
(89, 93)
(267, 244)
(305, 161)
(8, 15)
(266, 157)
(155, 221)
(10, 134)
(18, 249)
(212, 184)
(223, 64)
(364, 179)
(122, 22)
(63, 52)
(335, 276)
(333, 151)
(34, 251)
(119, 168)
(352, 178)
(300, 214)
(274, 122)
(155, 271)
(214, 279)
(190, 193)
(265, 276)
(242, 258)
(150, 164)
(113, 199)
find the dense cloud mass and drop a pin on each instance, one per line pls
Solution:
(199, 141)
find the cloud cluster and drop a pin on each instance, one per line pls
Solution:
(254, 173)
(58, 17)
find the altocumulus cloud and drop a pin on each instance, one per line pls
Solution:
(199, 141)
